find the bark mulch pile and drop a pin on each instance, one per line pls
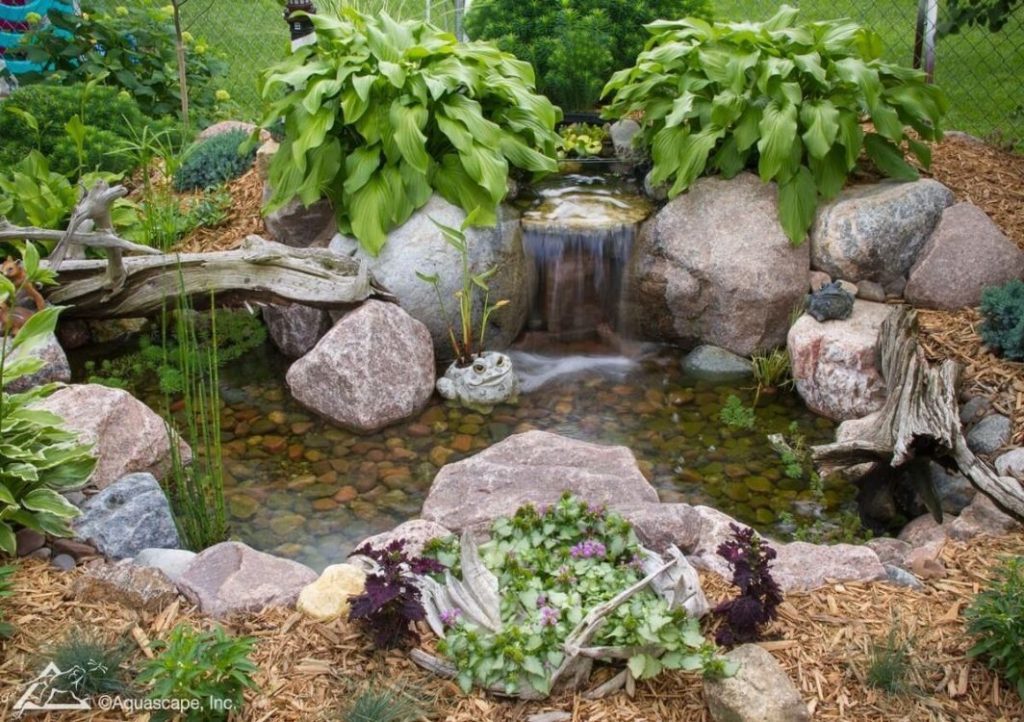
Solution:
(825, 639)
(244, 218)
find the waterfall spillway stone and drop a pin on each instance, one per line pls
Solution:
(579, 230)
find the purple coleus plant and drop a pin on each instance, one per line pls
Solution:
(745, 617)
(391, 601)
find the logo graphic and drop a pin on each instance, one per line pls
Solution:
(53, 690)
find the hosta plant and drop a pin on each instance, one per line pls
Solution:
(39, 458)
(379, 114)
(787, 99)
(523, 610)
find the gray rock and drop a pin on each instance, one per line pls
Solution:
(831, 302)
(623, 133)
(990, 434)
(975, 408)
(895, 287)
(955, 492)
(128, 516)
(124, 583)
(127, 436)
(835, 364)
(296, 329)
(871, 291)
(55, 365)
(232, 577)
(301, 227)
(715, 266)
(716, 364)
(1011, 464)
(171, 562)
(417, 246)
(760, 691)
(416, 533)
(534, 467)
(890, 551)
(374, 368)
(981, 516)
(874, 232)
(966, 254)
(659, 526)
(64, 562)
(658, 193)
(227, 126)
(799, 566)
(902, 578)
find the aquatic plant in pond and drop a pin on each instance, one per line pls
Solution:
(781, 97)
(551, 567)
(379, 114)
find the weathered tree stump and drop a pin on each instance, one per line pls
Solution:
(919, 421)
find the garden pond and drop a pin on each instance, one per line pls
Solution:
(300, 487)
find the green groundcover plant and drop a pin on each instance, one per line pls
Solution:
(553, 566)
(996, 618)
(379, 114)
(783, 98)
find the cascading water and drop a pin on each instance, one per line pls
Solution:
(579, 230)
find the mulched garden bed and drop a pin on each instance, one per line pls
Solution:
(309, 671)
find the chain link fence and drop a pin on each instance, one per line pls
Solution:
(982, 71)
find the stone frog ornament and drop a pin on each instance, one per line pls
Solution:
(830, 303)
(483, 384)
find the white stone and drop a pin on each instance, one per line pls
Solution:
(328, 597)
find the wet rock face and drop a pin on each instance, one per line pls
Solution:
(835, 364)
(418, 246)
(874, 232)
(715, 266)
(374, 368)
(535, 467)
(127, 435)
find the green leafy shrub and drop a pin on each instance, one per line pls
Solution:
(214, 161)
(1002, 327)
(201, 666)
(36, 117)
(379, 114)
(6, 572)
(783, 98)
(553, 567)
(996, 617)
(573, 44)
(92, 665)
(39, 459)
(735, 415)
(126, 45)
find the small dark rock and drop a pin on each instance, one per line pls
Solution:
(78, 550)
(830, 302)
(974, 409)
(952, 488)
(28, 541)
(73, 333)
(896, 286)
(44, 554)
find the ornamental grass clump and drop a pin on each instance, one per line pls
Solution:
(787, 99)
(379, 114)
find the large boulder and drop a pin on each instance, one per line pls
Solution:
(535, 467)
(835, 363)
(128, 516)
(374, 368)
(55, 364)
(295, 329)
(874, 232)
(233, 577)
(127, 436)
(760, 691)
(799, 566)
(715, 266)
(417, 246)
(966, 254)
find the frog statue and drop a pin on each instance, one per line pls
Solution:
(830, 302)
(483, 384)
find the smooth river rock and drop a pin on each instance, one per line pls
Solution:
(875, 232)
(128, 516)
(374, 368)
(127, 435)
(966, 254)
(714, 266)
(233, 577)
(534, 467)
(417, 246)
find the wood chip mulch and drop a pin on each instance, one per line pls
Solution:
(825, 640)
(244, 218)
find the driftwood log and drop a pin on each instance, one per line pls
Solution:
(123, 286)
(920, 420)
